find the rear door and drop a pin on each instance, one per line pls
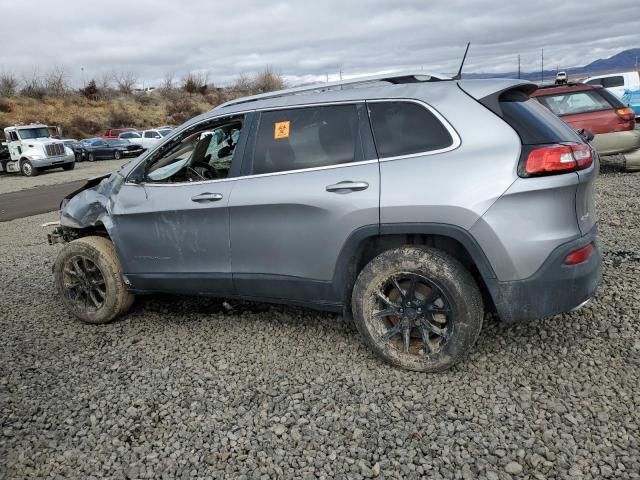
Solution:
(311, 181)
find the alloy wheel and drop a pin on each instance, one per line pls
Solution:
(84, 284)
(414, 315)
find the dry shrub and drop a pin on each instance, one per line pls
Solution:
(195, 83)
(5, 106)
(8, 85)
(181, 109)
(119, 116)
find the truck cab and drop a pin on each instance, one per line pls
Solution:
(32, 149)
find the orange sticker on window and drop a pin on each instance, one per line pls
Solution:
(281, 130)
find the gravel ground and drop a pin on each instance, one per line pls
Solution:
(182, 388)
(12, 182)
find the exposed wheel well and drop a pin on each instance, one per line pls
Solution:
(375, 245)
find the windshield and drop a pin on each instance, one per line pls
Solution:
(39, 132)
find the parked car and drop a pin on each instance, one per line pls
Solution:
(115, 132)
(107, 149)
(616, 83)
(131, 137)
(595, 109)
(387, 202)
(152, 137)
(631, 98)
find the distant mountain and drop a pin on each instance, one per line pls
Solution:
(620, 62)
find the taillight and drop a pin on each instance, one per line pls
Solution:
(626, 113)
(551, 159)
(580, 255)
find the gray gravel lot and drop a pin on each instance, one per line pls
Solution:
(181, 388)
(12, 182)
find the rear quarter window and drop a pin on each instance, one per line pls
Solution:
(406, 128)
(609, 82)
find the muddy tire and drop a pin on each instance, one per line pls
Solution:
(69, 166)
(27, 169)
(88, 278)
(418, 308)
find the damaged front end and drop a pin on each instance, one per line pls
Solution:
(86, 211)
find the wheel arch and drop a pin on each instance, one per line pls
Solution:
(369, 241)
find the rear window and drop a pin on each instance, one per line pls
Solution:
(534, 123)
(571, 103)
(405, 128)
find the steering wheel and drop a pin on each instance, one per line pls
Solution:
(203, 170)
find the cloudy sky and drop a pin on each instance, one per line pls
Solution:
(306, 40)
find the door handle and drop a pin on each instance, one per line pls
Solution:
(347, 186)
(207, 197)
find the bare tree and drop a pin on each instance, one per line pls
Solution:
(125, 81)
(55, 82)
(268, 80)
(33, 86)
(195, 82)
(167, 84)
(8, 84)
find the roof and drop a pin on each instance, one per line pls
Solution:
(428, 87)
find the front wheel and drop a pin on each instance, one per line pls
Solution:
(69, 166)
(27, 169)
(117, 155)
(418, 308)
(91, 157)
(88, 277)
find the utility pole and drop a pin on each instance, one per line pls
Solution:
(340, 72)
(327, 77)
(518, 66)
(542, 65)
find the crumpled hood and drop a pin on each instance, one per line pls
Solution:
(91, 204)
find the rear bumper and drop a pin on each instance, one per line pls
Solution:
(555, 288)
(616, 142)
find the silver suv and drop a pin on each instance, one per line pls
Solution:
(416, 203)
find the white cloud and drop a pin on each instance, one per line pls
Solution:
(306, 40)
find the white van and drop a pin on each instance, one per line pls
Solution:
(617, 83)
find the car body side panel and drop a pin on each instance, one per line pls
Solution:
(527, 223)
(458, 186)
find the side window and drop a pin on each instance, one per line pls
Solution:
(608, 82)
(595, 81)
(405, 128)
(306, 137)
(147, 134)
(202, 152)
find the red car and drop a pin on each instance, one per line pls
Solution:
(593, 108)
(115, 132)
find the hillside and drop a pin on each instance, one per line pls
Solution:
(623, 61)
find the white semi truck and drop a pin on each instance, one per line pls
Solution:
(31, 149)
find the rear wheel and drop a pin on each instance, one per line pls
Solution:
(417, 308)
(88, 277)
(69, 166)
(27, 169)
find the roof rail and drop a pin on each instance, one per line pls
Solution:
(394, 78)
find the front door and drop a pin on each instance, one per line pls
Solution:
(312, 181)
(172, 229)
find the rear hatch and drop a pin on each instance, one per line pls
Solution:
(595, 109)
(538, 128)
